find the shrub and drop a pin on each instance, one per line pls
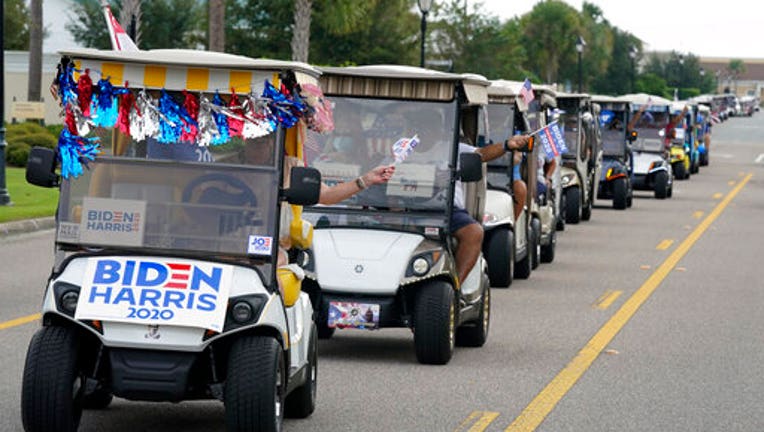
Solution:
(16, 154)
(39, 139)
(26, 128)
(55, 129)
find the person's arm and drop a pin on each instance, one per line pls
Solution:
(496, 150)
(635, 119)
(342, 191)
(549, 168)
(678, 117)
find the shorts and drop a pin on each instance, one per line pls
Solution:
(460, 219)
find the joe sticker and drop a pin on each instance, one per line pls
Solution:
(259, 245)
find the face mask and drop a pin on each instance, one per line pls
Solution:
(343, 144)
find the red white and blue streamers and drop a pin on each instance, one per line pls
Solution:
(174, 119)
(74, 151)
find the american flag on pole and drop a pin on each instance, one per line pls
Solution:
(403, 148)
(553, 141)
(120, 40)
(526, 91)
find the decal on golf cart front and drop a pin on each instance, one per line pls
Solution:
(177, 292)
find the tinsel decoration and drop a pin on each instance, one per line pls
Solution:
(191, 104)
(258, 122)
(283, 107)
(318, 114)
(67, 88)
(144, 120)
(126, 106)
(208, 129)
(74, 151)
(84, 92)
(104, 106)
(236, 117)
(172, 120)
(220, 120)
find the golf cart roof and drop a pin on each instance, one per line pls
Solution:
(502, 91)
(610, 102)
(405, 82)
(644, 98)
(178, 69)
(704, 109)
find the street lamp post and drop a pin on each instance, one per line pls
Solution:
(424, 7)
(5, 199)
(632, 56)
(702, 73)
(580, 44)
(681, 70)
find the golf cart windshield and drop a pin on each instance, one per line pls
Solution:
(175, 197)
(570, 123)
(373, 132)
(613, 129)
(650, 130)
(501, 127)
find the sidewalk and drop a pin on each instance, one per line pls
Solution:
(27, 225)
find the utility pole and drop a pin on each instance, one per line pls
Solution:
(5, 199)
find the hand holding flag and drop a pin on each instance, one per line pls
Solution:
(403, 148)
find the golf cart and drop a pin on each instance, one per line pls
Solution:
(165, 286)
(652, 170)
(615, 180)
(384, 257)
(582, 163)
(679, 152)
(508, 243)
(703, 131)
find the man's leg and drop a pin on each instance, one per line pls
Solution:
(519, 193)
(470, 239)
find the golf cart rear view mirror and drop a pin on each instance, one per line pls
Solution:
(41, 167)
(304, 186)
(632, 136)
(470, 167)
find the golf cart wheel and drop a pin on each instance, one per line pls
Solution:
(324, 331)
(680, 171)
(573, 205)
(434, 323)
(536, 234)
(704, 159)
(51, 394)
(254, 388)
(560, 214)
(499, 251)
(524, 267)
(670, 191)
(695, 166)
(661, 184)
(620, 194)
(302, 401)
(98, 400)
(586, 211)
(547, 251)
(475, 334)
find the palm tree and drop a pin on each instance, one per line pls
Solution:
(35, 51)
(131, 10)
(301, 35)
(217, 25)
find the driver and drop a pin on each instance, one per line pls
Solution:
(468, 232)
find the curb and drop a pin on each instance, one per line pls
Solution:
(27, 225)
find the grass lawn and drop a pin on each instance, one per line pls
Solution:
(28, 201)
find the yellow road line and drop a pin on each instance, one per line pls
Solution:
(606, 299)
(665, 244)
(717, 195)
(731, 182)
(698, 214)
(540, 407)
(479, 420)
(19, 321)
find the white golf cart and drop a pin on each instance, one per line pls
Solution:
(508, 243)
(164, 286)
(384, 257)
(652, 169)
(615, 180)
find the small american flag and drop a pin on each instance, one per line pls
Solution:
(526, 91)
(403, 148)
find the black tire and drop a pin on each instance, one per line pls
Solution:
(524, 267)
(661, 185)
(434, 323)
(536, 234)
(670, 191)
(695, 166)
(704, 159)
(302, 401)
(573, 205)
(475, 334)
(560, 214)
(620, 193)
(680, 172)
(547, 251)
(586, 210)
(630, 199)
(499, 253)
(98, 400)
(324, 331)
(254, 389)
(51, 394)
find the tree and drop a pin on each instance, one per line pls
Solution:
(598, 53)
(736, 68)
(130, 16)
(35, 50)
(173, 23)
(301, 35)
(259, 28)
(621, 68)
(651, 83)
(15, 25)
(548, 32)
(217, 25)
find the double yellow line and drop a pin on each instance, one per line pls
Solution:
(535, 413)
(19, 321)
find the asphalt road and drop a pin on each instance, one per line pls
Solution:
(649, 319)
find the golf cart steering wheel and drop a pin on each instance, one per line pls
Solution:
(215, 195)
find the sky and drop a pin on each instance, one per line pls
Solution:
(726, 28)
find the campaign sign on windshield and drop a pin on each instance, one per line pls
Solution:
(115, 222)
(155, 291)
